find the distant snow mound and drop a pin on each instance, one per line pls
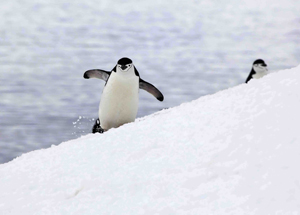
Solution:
(234, 152)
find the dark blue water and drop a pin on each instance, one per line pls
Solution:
(187, 49)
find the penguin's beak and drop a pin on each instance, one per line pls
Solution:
(123, 67)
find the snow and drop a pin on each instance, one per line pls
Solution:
(234, 152)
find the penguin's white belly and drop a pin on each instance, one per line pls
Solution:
(119, 101)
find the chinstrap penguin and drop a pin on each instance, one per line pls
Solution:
(120, 96)
(259, 69)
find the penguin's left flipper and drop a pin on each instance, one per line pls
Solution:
(97, 73)
(151, 89)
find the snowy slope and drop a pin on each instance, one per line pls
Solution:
(234, 152)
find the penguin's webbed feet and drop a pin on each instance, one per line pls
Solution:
(97, 127)
(98, 130)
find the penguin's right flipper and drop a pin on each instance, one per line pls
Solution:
(96, 73)
(151, 89)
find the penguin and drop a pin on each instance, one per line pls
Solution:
(259, 69)
(120, 96)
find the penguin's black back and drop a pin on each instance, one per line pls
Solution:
(250, 76)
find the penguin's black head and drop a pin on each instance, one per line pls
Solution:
(124, 63)
(260, 62)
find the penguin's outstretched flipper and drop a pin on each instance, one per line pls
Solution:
(97, 73)
(151, 89)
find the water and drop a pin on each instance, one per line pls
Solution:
(187, 49)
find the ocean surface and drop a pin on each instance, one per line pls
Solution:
(187, 49)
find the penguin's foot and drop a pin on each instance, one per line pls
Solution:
(97, 128)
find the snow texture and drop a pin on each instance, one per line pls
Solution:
(234, 152)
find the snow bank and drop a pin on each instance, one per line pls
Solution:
(234, 152)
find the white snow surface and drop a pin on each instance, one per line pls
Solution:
(234, 152)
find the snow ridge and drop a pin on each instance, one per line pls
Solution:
(234, 152)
